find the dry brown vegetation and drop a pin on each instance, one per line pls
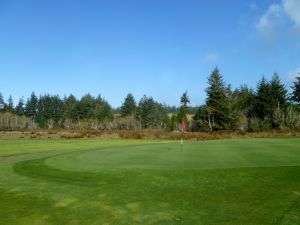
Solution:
(144, 134)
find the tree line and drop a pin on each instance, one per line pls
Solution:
(269, 106)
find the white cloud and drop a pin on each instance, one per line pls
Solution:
(292, 10)
(210, 58)
(274, 20)
(269, 23)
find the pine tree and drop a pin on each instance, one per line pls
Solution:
(86, 106)
(70, 108)
(150, 113)
(102, 111)
(278, 101)
(296, 91)
(128, 108)
(217, 102)
(2, 103)
(56, 110)
(183, 110)
(31, 106)
(278, 93)
(245, 100)
(43, 115)
(262, 108)
(20, 107)
(10, 105)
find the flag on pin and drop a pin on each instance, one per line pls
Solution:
(182, 124)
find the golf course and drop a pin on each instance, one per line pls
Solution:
(102, 181)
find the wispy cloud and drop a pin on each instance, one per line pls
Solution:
(210, 58)
(292, 9)
(270, 22)
(278, 19)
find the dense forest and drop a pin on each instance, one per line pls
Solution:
(267, 107)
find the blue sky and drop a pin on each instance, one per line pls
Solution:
(155, 47)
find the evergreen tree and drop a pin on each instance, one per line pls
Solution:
(20, 107)
(31, 106)
(56, 110)
(50, 111)
(150, 113)
(43, 111)
(171, 122)
(262, 108)
(10, 105)
(183, 110)
(278, 93)
(217, 102)
(102, 111)
(70, 108)
(245, 100)
(278, 101)
(296, 91)
(2, 103)
(129, 106)
(86, 106)
(201, 119)
(233, 112)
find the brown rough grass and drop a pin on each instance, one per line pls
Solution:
(142, 134)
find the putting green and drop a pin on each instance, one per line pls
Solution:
(240, 181)
(195, 155)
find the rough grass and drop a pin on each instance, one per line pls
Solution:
(94, 181)
(141, 134)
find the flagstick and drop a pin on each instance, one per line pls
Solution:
(181, 139)
(182, 127)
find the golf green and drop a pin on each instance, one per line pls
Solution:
(97, 181)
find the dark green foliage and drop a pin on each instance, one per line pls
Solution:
(278, 101)
(19, 110)
(171, 122)
(150, 113)
(10, 104)
(217, 102)
(242, 109)
(50, 111)
(128, 107)
(245, 98)
(201, 119)
(271, 101)
(296, 91)
(31, 106)
(86, 106)
(262, 96)
(102, 111)
(2, 103)
(70, 108)
(171, 109)
(183, 110)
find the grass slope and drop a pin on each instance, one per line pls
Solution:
(241, 181)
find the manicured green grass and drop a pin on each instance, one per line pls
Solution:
(94, 181)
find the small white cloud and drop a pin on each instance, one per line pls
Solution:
(210, 58)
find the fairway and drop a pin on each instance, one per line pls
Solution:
(125, 182)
